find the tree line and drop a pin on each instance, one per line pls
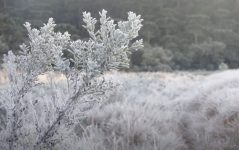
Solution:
(178, 34)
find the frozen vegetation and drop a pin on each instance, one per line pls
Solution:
(39, 115)
(48, 101)
(182, 111)
(151, 111)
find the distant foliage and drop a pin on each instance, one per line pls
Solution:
(203, 56)
(157, 59)
(174, 25)
(42, 116)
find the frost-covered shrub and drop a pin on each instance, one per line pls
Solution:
(43, 116)
(223, 66)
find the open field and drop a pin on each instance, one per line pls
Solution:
(173, 111)
(166, 111)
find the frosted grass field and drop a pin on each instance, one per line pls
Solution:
(160, 111)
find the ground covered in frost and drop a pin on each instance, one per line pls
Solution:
(164, 111)
(161, 111)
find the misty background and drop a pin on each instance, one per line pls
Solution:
(178, 34)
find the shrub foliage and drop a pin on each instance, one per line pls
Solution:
(42, 116)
